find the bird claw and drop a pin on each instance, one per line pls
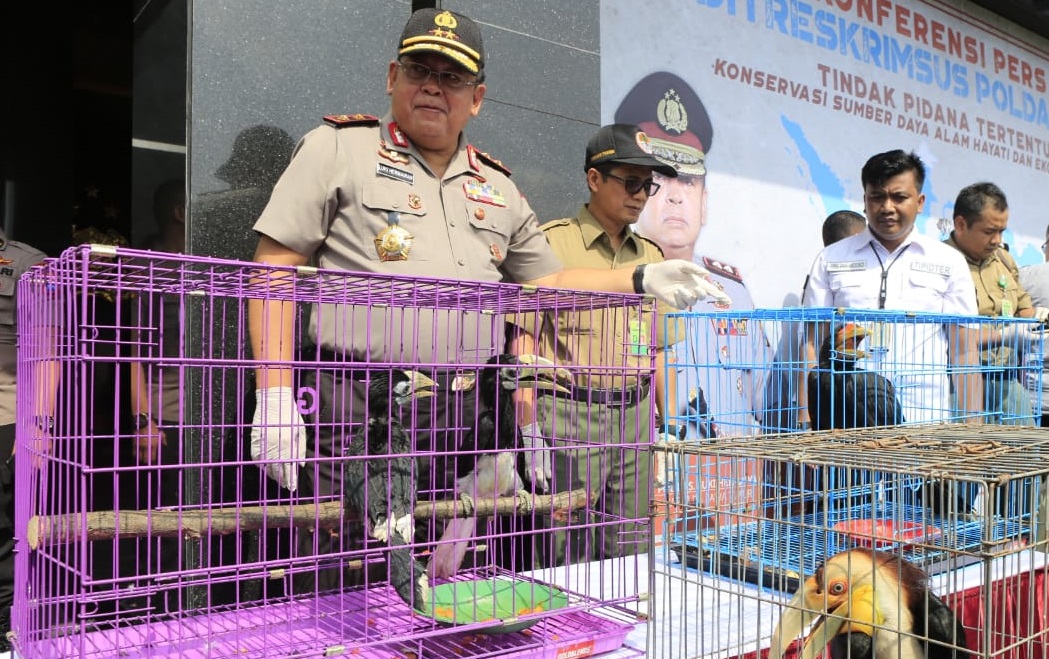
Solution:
(405, 527)
(468, 504)
(525, 503)
(382, 530)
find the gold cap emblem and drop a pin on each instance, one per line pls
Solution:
(446, 20)
(671, 113)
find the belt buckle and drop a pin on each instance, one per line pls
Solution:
(631, 397)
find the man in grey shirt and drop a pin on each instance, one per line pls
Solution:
(1035, 279)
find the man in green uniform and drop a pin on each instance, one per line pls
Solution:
(611, 400)
(407, 195)
(981, 215)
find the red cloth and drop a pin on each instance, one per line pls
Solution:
(1018, 611)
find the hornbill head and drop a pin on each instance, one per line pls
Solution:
(401, 386)
(523, 372)
(843, 345)
(855, 591)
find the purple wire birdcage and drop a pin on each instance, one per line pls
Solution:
(146, 528)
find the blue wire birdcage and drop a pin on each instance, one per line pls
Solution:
(757, 500)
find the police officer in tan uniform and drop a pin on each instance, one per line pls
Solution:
(15, 259)
(404, 194)
(981, 215)
(609, 404)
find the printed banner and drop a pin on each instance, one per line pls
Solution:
(774, 106)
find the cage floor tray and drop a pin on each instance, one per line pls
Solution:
(358, 623)
(778, 553)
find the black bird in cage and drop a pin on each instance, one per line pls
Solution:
(494, 469)
(700, 416)
(380, 477)
(841, 395)
(870, 605)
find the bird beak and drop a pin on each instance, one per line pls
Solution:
(543, 374)
(796, 617)
(855, 612)
(826, 628)
(422, 386)
(849, 338)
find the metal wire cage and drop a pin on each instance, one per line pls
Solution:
(745, 372)
(964, 503)
(749, 517)
(750, 373)
(146, 528)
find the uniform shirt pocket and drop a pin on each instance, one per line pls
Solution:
(844, 281)
(7, 304)
(492, 228)
(852, 289)
(928, 281)
(490, 220)
(576, 324)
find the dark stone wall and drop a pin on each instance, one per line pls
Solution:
(263, 74)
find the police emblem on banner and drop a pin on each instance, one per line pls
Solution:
(671, 113)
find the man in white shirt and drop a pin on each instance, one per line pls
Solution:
(891, 266)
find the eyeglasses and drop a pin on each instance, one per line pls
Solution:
(633, 184)
(418, 74)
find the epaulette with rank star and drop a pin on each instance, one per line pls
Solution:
(553, 224)
(343, 120)
(724, 269)
(474, 154)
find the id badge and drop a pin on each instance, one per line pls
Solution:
(638, 337)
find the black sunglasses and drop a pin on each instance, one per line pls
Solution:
(633, 184)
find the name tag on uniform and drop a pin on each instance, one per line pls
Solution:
(846, 266)
(382, 169)
(934, 268)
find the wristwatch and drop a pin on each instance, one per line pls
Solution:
(639, 279)
(142, 420)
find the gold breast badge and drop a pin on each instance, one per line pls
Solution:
(394, 242)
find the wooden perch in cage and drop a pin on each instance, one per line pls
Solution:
(111, 524)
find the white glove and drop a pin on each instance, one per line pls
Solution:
(1019, 336)
(278, 435)
(539, 463)
(680, 283)
(663, 470)
(1041, 314)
